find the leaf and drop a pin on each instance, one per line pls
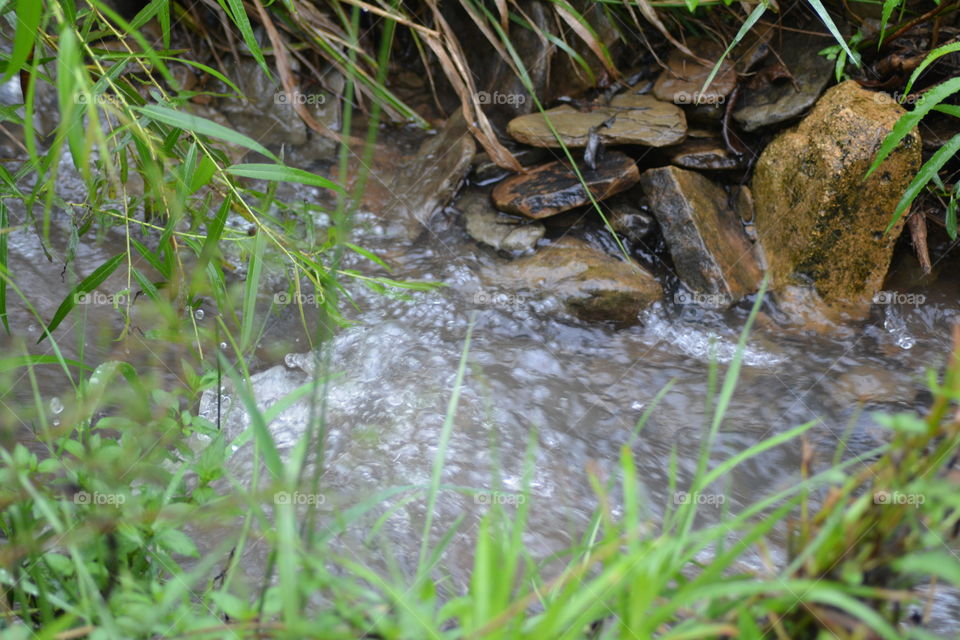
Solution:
(202, 126)
(86, 285)
(3, 265)
(239, 16)
(888, 7)
(909, 120)
(832, 28)
(951, 221)
(930, 59)
(176, 541)
(28, 14)
(281, 173)
(744, 29)
(927, 172)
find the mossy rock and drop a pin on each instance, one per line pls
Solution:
(819, 222)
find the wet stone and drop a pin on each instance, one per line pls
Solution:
(428, 181)
(554, 187)
(629, 215)
(778, 100)
(638, 119)
(820, 223)
(486, 170)
(711, 254)
(593, 285)
(705, 155)
(682, 81)
(488, 226)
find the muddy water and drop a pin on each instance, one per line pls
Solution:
(536, 381)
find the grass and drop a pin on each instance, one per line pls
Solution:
(99, 518)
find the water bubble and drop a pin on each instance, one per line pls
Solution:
(637, 406)
(223, 346)
(56, 422)
(905, 342)
(291, 360)
(32, 328)
(198, 314)
(55, 405)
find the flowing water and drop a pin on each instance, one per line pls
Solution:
(537, 383)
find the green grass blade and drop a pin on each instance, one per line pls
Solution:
(909, 120)
(28, 13)
(751, 20)
(86, 285)
(4, 221)
(932, 57)
(821, 11)
(927, 173)
(280, 173)
(202, 126)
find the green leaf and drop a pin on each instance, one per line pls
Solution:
(925, 175)
(28, 14)
(4, 221)
(744, 30)
(280, 173)
(176, 541)
(939, 52)
(909, 120)
(239, 16)
(16, 362)
(86, 285)
(202, 126)
(832, 28)
(888, 7)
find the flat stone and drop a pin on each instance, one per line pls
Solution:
(710, 252)
(780, 100)
(640, 119)
(593, 285)
(428, 181)
(488, 226)
(554, 187)
(703, 155)
(683, 79)
(820, 223)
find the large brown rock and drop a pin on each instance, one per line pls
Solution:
(710, 251)
(819, 222)
(593, 285)
(554, 187)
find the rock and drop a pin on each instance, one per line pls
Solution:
(485, 224)
(779, 100)
(704, 155)
(682, 81)
(265, 115)
(554, 187)
(639, 119)
(710, 252)
(629, 215)
(593, 285)
(486, 170)
(819, 222)
(427, 183)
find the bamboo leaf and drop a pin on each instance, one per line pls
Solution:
(932, 57)
(86, 285)
(28, 14)
(927, 172)
(909, 120)
(202, 126)
(280, 173)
